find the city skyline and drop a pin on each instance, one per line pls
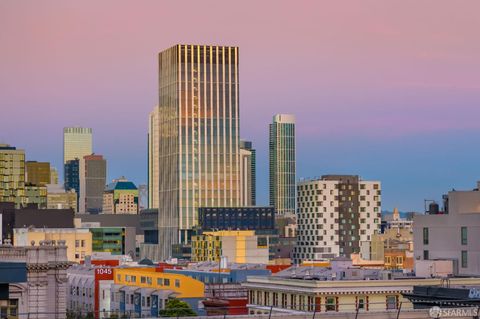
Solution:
(406, 117)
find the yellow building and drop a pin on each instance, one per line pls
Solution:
(59, 198)
(12, 175)
(184, 286)
(239, 246)
(78, 241)
(296, 295)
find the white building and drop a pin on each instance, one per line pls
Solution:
(77, 142)
(41, 294)
(454, 236)
(335, 213)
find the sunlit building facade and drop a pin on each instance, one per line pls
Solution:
(282, 164)
(12, 175)
(153, 157)
(77, 142)
(199, 136)
(247, 174)
(38, 173)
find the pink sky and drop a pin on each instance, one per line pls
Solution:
(382, 70)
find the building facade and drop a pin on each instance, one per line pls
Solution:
(59, 198)
(453, 236)
(93, 174)
(41, 294)
(114, 240)
(36, 195)
(282, 164)
(248, 174)
(335, 213)
(198, 125)
(239, 246)
(77, 142)
(37, 173)
(236, 218)
(120, 197)
(77, 241)
(153, 158)
(12, 175)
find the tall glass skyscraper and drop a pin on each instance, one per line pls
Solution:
(248, 174)
(199, 136)
(282, 164)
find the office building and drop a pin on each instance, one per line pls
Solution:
(93, 174)
(33, 280)
(335, 213)
(59, 198)
(72, 178)
(37, 173)
(53, 175)
(454, 236)
(120, 197)
(78, 241)
(36, 195)
(247, 174)
(198, 137)
(77, 142)
(236, 218)
(12, 174)
(153, 157)
(114, 240)
(239, 246)
(282, 164)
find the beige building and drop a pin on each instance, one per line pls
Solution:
(120, 197)
(153, 158)
(59, 198)
(288, 295)
(77, 142)
(36, 194)
(12, 175)
(37, 173)
(238, 246)
(78, 240)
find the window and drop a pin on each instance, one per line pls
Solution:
(83, 243)
(361, 303)
(148, 301)
(425, 235)
(425, 255)
(284, 300)
(275, 299)
(330, 304)
(464, 259)
(143, 280)
(177, 283)
(166, 282)
(160, 281)
(464, 235)
(266, 298)
(77, 243)
(391, 302)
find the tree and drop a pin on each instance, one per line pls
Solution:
(177, 308)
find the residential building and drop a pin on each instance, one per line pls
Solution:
(77, 142)
(239, 246)
(198, 139)
(36, 194)
(37, 173)
(138, 284)
(120, 197)
(453, 236)
(282, 164)
(93, 173)
(308, 290)
(114, 240)
(247, 174)
(31, 216)
(335, 213)
(12, 174)
(78, 241)
(154, 158)
(33, 280)
(59, 198)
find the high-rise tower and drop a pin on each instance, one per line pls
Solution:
(282, 164)
(153, 158)
(247, 173)
(77, 142)
(198, 136)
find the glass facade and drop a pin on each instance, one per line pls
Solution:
(247, 174)
(12, 175)
(282, 164)
(38, 173)
(77, 142)
(199, 136)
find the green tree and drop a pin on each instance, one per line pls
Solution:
(177, 308)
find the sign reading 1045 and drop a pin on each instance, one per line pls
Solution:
(104, 273)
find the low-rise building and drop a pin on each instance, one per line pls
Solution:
(36, 195)
(120, 197)
(78, 241)
(59, 198)
(114, 240)
(33, 280)
(239, 246)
